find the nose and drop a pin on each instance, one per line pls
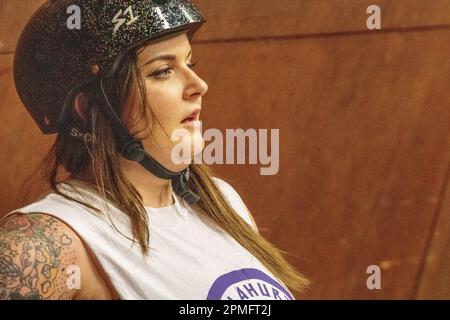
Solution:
(195, 87)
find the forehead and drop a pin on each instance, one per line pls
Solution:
(172, 44)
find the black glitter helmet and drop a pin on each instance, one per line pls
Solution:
(53, 57)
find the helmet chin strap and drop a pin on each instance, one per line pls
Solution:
(132, 149)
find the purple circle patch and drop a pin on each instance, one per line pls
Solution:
(247, 284)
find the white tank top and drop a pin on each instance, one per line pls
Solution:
(189, 259)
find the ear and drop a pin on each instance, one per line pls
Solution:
(80, 106)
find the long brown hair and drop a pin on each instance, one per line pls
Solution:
(95, 164)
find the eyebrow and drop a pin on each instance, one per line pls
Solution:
(165, 57)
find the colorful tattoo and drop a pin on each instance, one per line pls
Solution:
(35, 249)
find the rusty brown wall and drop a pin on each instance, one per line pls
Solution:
(364, 123)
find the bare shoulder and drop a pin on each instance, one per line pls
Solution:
(41, 258)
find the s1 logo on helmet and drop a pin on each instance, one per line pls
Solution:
(120, 21)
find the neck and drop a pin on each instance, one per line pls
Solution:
(155, 192)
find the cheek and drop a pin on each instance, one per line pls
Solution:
(166, 104)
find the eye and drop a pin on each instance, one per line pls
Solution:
(192, 65)
(163, 73)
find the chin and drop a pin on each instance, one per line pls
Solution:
(189, 148)
(197, 145)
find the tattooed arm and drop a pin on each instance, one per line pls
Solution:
(38, 255)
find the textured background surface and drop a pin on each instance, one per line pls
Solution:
(364, 123)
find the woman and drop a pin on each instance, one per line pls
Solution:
(122, 219)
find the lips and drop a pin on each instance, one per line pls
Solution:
(191, 116)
